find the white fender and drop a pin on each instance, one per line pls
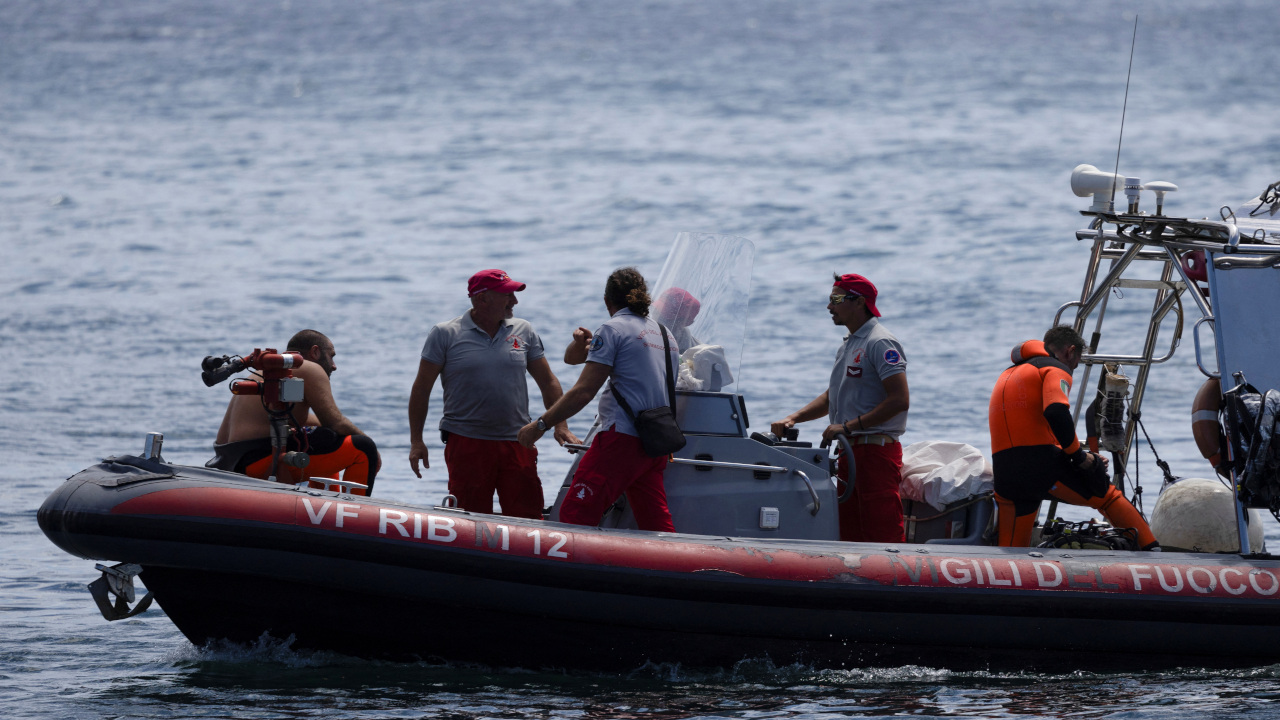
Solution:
(1199, 515)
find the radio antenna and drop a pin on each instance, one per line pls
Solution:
(1125, 109)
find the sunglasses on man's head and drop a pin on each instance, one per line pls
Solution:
(837, 298)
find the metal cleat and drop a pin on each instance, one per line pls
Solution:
(333, 484)
(151, 447)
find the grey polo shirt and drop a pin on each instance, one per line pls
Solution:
(866, 358)
(486, 395)
(632, 346)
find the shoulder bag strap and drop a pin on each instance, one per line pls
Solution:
(622, 402)
(666, 355)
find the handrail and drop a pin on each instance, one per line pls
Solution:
(730, 465)
(702, 463)
(813, 493)
(817, 504)
(1135, 360)
(1135, 284)
(1257, 249)
(1233, 262)
(1195, 335)
(1057, 319)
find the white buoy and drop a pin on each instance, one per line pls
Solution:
(1199, 515)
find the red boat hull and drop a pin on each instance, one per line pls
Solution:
(232, 557)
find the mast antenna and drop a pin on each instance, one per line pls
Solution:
(1125, 109)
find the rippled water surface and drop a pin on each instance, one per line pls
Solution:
(180, 179)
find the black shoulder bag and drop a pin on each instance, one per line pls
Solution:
(657, 428)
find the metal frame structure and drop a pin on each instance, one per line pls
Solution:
(1127, 238)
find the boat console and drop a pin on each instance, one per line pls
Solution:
(728, 484)
(728, 481)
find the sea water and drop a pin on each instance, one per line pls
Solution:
(179, 179)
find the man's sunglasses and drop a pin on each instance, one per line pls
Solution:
(837, 298)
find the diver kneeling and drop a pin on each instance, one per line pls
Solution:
(1034, 447)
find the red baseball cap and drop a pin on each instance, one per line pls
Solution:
(861, 287)
(495, 280)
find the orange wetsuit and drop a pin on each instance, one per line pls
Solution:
(1035, 452)
(355, 456)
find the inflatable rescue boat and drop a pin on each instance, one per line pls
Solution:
(757, 569)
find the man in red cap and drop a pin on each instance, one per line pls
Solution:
(867, 400)
(677, 309)
(481, 358)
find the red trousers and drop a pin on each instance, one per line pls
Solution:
(874, 513)
(479, 468)
(615, 464)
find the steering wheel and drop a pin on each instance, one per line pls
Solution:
(832, 466)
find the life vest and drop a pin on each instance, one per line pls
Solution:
(1021, 396)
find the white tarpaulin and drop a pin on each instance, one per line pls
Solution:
(941, 473)
(704, 367)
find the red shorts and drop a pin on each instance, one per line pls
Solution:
(615, 464)
(479, 468)
(874, 513)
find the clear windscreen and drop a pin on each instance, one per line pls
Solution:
(702, 296)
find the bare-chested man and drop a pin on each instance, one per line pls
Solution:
(334, 443)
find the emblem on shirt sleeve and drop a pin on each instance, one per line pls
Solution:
(1066, 389)
(596, 343)
(854, 371)
(892, 357)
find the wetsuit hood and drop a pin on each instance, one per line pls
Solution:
(1027, 350)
